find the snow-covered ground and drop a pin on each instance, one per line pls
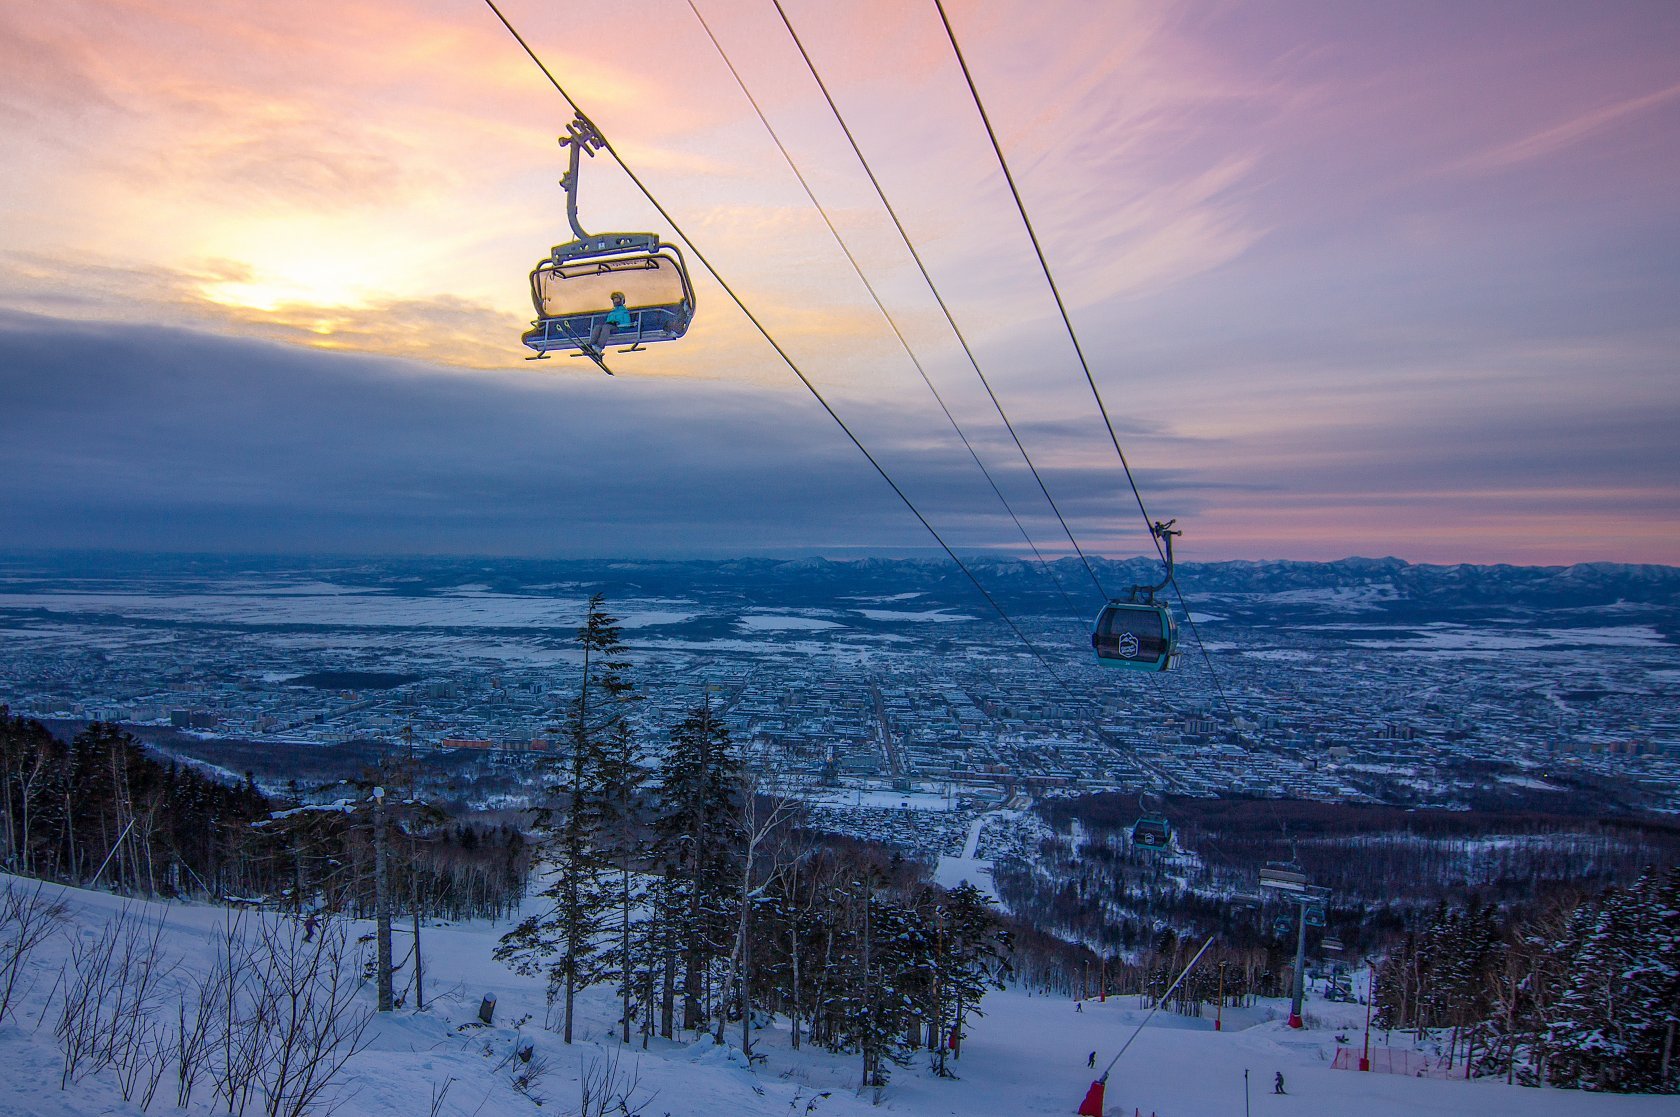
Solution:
(968, 865)
(881, 799)
(1026, 1057)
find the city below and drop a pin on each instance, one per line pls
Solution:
(1362, 681)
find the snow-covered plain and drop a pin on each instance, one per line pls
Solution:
(772, 622)
(1027, 1056)
(465, 608)
(1442, 637)
(932, 616)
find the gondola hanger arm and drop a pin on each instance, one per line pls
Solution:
(1164, 532)
(581, 136)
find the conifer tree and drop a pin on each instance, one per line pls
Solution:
(701, 779)
(974, 958)
(1584, 1043)
(874, 964)
(650, 979)
(1653, 985)
(1613, 1026)
(625, 843)
(563, 941)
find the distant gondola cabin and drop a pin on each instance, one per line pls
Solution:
(1135, 636)
(1152, 833)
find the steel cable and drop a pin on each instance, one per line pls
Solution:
(780, 352)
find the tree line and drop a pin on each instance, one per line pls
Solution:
(1584, 994)
(101, 810)
(1385, 868)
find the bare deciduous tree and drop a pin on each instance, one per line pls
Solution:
(28, 918)
(316, 1026)
(275, 1021)
(763, 813)
(112, 993)
(607, 1089)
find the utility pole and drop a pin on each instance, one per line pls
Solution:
(1219, 1013)
(1299, 993)
(381, 902)
(414, 876)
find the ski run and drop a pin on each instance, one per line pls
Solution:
(1027, 1056)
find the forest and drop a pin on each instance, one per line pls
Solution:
(99, 810)
(696, 893)
(1542, 949)
(1581, 995)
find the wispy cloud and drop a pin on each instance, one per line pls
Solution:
(1565, 133)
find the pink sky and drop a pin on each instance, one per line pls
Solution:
(1354, 277)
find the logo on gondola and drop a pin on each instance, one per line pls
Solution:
(1128, 645)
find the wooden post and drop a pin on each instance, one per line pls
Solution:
(419, 971)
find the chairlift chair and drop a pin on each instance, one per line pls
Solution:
(1314, 916)
(572, 290)
(1281, 878)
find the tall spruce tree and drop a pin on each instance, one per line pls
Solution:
(974, 956)
(1653, 985)
(563, 941)
(697, 801)
(877, 975)
(625, 842)
(1613, 1027)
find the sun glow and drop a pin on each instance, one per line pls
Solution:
(269, 288)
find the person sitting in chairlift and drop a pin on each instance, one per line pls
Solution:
(617, 318)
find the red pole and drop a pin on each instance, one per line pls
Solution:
(1370, 995)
